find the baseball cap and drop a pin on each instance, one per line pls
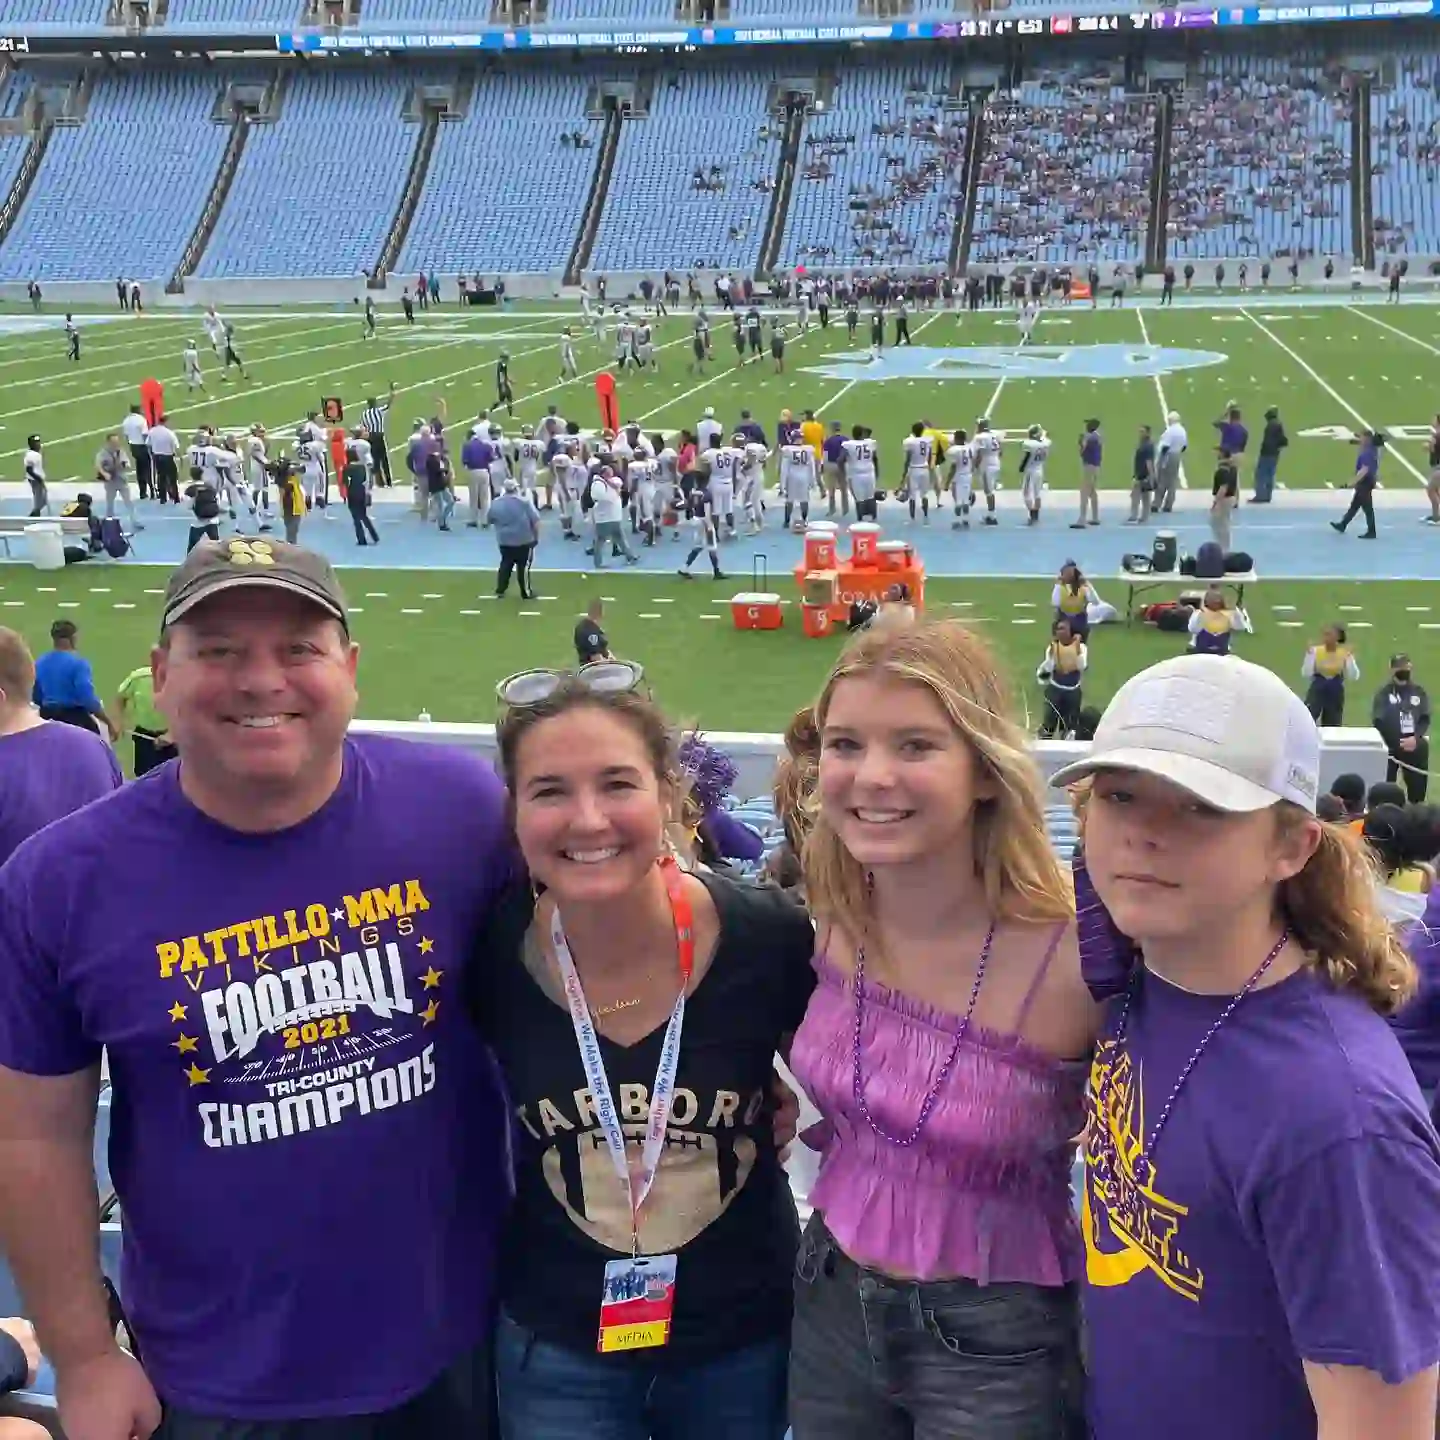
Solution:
(214, 566)
(1231, 733)
(1397, 661)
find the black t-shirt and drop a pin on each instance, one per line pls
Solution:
(1225, 482)
(590, 641)
(721, 1199)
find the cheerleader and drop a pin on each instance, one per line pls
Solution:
(1211, 625)
(1072, 598)
(1327, 666)
(1061, 672)
(1032, 471)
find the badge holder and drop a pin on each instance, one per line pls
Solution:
(639, 1303)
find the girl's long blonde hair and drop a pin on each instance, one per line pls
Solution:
(1012, 855)
(1333, 909)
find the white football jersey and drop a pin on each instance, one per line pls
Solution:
(918, 449)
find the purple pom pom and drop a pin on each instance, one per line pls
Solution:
(1107, 958)
(711, 772)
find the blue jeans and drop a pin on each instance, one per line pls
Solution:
(548, 1392)
(1265, 467)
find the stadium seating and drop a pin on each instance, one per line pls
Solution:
(239, 14)
(911, 180)
(1066, 171)
(656, 215)
(1405, 155)
(501, 185)
(53, 14)
(119, 193)
(284, 214)
(1259, 161)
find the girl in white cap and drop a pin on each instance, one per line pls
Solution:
(1261, 1210)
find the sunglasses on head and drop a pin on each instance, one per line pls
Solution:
(603, 677)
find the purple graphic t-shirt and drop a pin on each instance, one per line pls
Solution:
(1293, 1213)
(307, 1140)
(47, 772)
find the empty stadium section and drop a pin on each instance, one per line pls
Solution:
(692, 177)
(506, 177)
(91, 212)
(880, 175)
(272, 223)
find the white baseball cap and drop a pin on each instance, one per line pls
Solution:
(1231, 733)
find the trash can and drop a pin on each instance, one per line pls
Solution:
(45, 545)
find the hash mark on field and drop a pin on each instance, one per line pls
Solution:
(651, 615)
(1282, 607)
(1352, 609)
(99, 589)
(357, 609)
(961, 604)
(1430, 625)
(68, 604)
(470, 612)
(707, 615)
(430, 596)
(608, 599)
(1417, 609)
(123, 605)
(1362, 625)
(532, 614)
(14, 604)
(1022, 620)
(661, 600)
(377, 594)
(1024, 605)
(154, 592)
(409, 611)
(46, 589)
(1290, 624)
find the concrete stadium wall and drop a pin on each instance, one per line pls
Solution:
(549, 286)
(1348, 749)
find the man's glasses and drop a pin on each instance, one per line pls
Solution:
(603, 677)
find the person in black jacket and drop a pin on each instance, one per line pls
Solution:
(19, 1363)
(1272, 442)
(1401, 713)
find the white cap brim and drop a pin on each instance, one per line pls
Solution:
(1201, 778)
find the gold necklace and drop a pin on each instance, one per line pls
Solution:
(601, 1011)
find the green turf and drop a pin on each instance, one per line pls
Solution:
(445, 661)
(1388, 378)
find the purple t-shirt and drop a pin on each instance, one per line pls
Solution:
(834, 448)
(47, 772)
(1090, 448)
(308, 1142)
(1417, 1026)
(1293, 1213)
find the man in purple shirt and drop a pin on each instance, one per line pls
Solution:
(47, 769)
(308, 1144)
(1367, 476)
(1234, 437)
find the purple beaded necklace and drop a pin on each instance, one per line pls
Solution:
(1143, 1168)
(935, 1089)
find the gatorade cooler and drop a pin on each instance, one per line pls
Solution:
(816, 621)
(864, 545)
(1164, 555)
(820, 548)
(45, 545)
(756, 610)
(893, 555)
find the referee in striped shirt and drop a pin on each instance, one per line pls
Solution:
(373, 418)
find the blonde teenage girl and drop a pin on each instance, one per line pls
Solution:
(935, 1291)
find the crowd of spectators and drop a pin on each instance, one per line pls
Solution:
(1259, 160)
(1066, 171)
(1405, 155)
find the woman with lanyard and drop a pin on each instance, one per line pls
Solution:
(635, 1010)
(1262, 1194)
(1327, 666)
(1071, 599)
(936, 1290)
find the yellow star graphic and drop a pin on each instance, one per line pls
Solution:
(186, 1046)
(426, 945)
(196, 1075)
(176, 1012)
(432, 977)
(429, 1013)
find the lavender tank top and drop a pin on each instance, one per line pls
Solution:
(984, 1192)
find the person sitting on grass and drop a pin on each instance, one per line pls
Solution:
(1212, 624)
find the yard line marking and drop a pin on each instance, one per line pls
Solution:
(1396, 330)
(1160, 393)
(1327, 387)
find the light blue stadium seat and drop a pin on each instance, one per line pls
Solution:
(12, 155)
(821, 229)
(502, 192)
(120, 193)
(1405, 192)
(1066, 171)
(241, 14)
(283, 215)
(53, 13)
(655, 218)
(1248, 180)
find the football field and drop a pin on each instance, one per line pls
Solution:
(435, 638)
